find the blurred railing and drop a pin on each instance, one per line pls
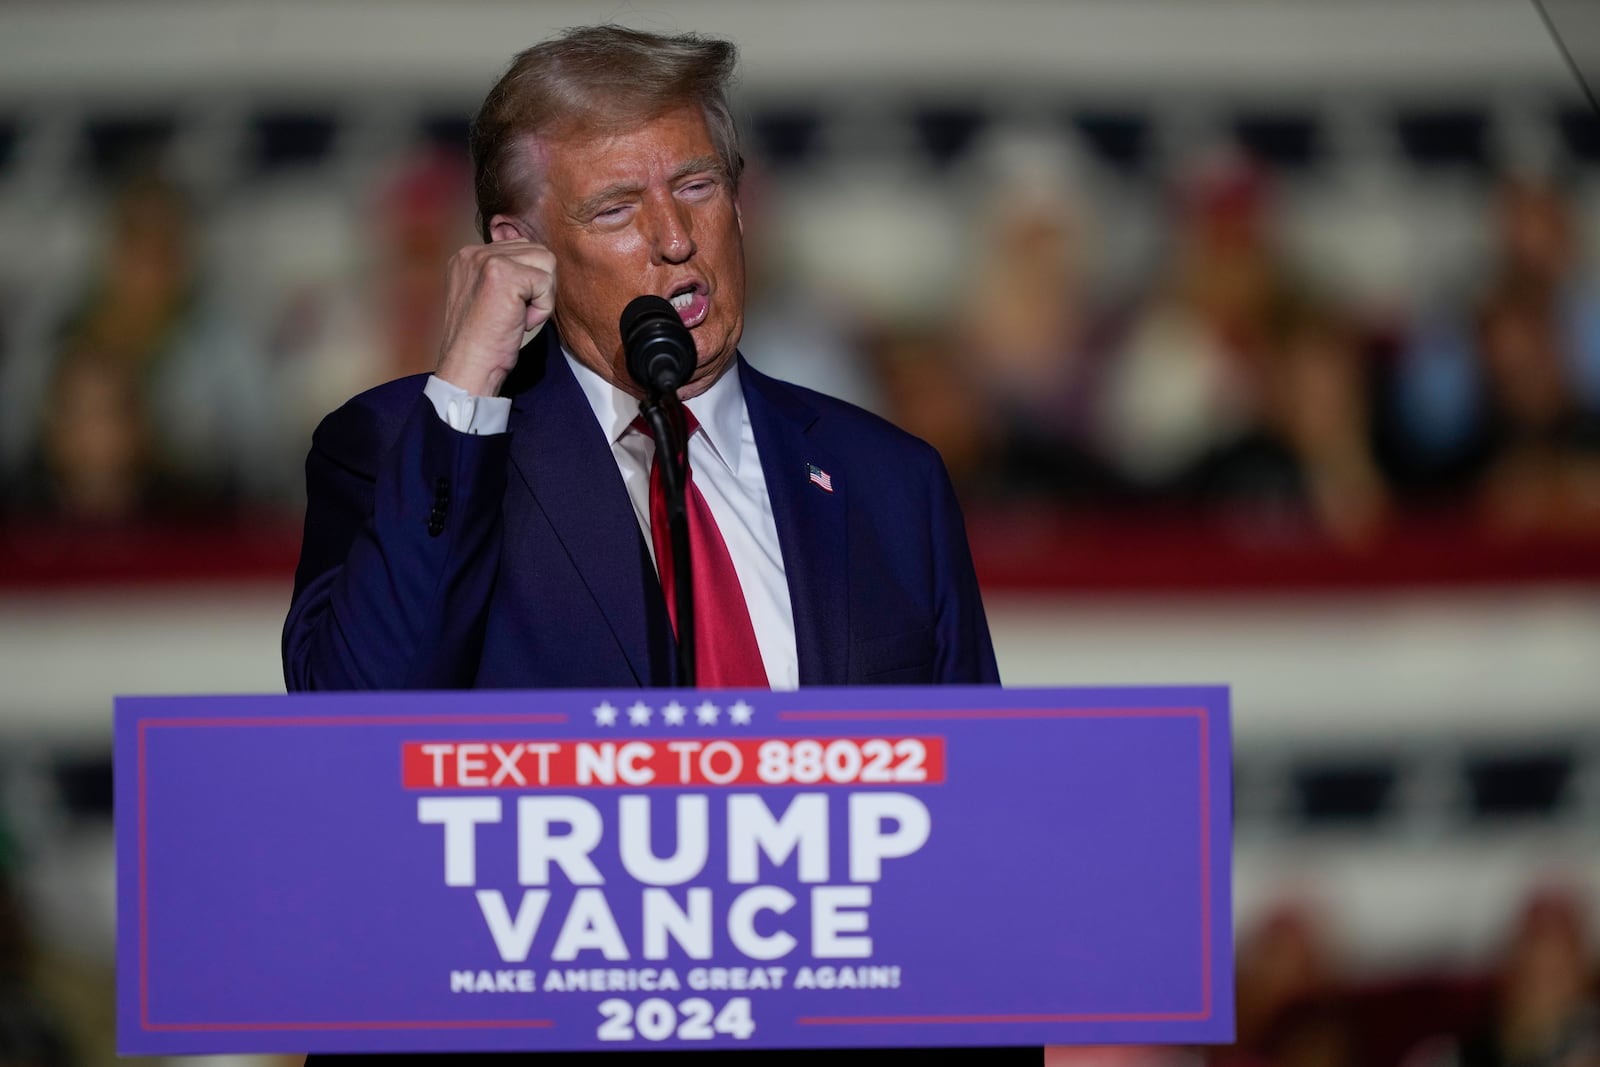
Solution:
(1017, 552)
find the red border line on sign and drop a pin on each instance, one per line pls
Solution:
(921, 1020)
(1198, 713)
(396, 1024)
(144, 910)
(994, 713)
(1205, 863)
(551, 718)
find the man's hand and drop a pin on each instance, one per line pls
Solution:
(498, 292)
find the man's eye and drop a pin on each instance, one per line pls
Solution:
(611, 214)
(699, 188)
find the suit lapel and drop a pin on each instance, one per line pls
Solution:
(565, 461)
(811, 524)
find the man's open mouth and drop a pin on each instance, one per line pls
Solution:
(691, 302)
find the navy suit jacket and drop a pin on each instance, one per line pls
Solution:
(436, 559)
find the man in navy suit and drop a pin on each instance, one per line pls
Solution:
(490, 524)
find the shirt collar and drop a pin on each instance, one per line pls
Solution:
(720, 409)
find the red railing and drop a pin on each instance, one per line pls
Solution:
(1015, 552)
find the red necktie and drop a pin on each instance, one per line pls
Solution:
(726, 655)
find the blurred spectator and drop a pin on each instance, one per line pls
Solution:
(928, 390)
(424, 215)
(1234, 390)
(386, 320)
(150, 375)
(1541, 448)
(1190, 376)
(1027, 332)
(30, 1035)
(1312, 1033)
(1506, 402)
(791, 330)
(1284, 963)
(1546, 1013)
(98, 462)
(1307, 467)
(1538, 246)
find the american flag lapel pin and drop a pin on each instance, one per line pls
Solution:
(819, 477)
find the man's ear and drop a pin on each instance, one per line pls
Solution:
(509, 228)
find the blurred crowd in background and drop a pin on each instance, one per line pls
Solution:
(1211, 371)
(1077, 323)
(1326, 319)
(1299, 1006)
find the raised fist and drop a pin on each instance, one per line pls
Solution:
(497, 293)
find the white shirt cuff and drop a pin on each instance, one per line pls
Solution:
(466, 413)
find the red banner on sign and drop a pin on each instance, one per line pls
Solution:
(801, 761)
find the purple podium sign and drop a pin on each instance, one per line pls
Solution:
(578, 870)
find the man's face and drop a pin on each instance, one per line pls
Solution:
(647, 211)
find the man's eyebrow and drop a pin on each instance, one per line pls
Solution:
(695, 166)
(593, 204)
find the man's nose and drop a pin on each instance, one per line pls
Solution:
(672, 237)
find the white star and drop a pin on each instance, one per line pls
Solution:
(605, 714)
(706, 714)
(739, 714)
(673, 714)
(639, 714)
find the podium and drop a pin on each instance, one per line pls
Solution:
(638, 870)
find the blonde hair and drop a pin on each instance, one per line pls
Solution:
(594, 79)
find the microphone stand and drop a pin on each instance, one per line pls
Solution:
(663, 413)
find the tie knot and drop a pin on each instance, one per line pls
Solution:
(690, 424)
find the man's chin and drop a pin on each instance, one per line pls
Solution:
(706, 375)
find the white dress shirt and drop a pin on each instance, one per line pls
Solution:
(724, 465)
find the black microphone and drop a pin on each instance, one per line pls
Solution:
(661, 354)
(661, 357)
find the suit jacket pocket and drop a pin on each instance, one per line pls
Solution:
(904, 657)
